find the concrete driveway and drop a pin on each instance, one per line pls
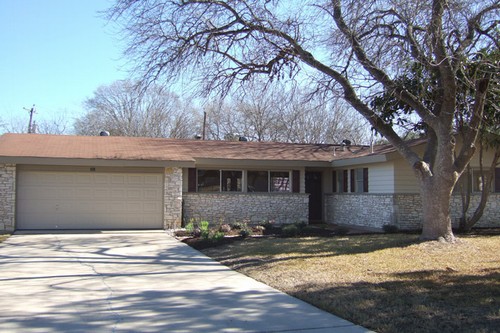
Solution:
(138, 282)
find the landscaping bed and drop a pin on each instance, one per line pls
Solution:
(201, 235)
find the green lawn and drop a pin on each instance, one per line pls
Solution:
(388, 283)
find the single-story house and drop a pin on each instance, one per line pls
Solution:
(105, 182)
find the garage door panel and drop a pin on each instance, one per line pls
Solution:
(76, 200)
(152, 194)
(83, 179)
(134, 194)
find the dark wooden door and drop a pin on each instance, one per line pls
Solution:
(314, 188)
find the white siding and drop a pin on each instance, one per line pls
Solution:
(381, 178)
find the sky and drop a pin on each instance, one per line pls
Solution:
(55, 54)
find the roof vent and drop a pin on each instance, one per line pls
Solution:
(242, 138)
(197, 137)
(346, 142)
(104, 133)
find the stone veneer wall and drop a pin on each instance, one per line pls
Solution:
(368, 210)
(172, 214)
(246, 207)
(491, 214)
(7, 197)
(402, 210)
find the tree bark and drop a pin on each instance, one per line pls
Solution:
(436, 198)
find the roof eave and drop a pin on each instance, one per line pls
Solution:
(93, 162)
(377, 158)
(222, 162)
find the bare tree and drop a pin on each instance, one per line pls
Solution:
(353, 48)
(283, 113)
(124, 109)
(57, 124)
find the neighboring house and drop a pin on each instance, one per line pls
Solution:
(74, 182)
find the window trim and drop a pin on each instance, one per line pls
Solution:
(293, 179)
(290, 180)
(355, 180)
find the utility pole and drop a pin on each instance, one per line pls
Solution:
(31, 111)
(204, 125)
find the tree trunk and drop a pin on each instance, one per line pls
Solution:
(436, 198)
(436, 186)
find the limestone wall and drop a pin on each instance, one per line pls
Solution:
(402, 210)
(253, 208)
(7, 197)
(172, 214)
(368, 210)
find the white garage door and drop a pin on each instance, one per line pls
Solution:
(89, 200)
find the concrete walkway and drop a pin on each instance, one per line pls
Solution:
(139, 282)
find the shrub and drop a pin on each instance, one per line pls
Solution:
(225, 228)
(258, 229)
(301, 225)
(245, 232)
(204, 231)
(216, 236)
(190, 227)
(290, 230)
(267, 224)
(238, 225)
(390, 228)
(196, 232)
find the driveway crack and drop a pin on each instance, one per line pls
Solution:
(117, 318)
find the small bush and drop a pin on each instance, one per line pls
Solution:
(238, 225)
(301, 225)
(190, 227)
(390, 228)
(225, 228)
(245, 232)
(196, 232)
(259, 229)
(216, 236)
(204, 231)
(290, 230)
(267, 224)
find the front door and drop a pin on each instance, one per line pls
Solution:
(314, 188)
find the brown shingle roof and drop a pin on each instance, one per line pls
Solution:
(154, 149)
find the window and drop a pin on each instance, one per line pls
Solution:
(344, 176)
(217, 180)
(361, 180)
(208, 180)
(258, 181)
(471, 181)
(352, 180)
(477, 181)
(232, 181)
(280, 181)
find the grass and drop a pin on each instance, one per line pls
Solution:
(388, 283)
